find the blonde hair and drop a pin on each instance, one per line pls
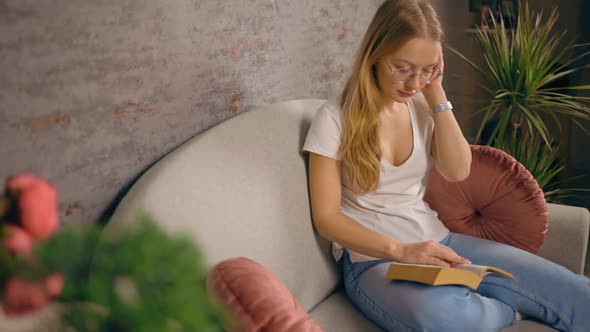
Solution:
(394, 23)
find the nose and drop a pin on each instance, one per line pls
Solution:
(414, 82)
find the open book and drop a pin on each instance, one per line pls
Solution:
(469, 275)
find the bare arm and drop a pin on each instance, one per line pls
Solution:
(325, 188)
(450, 150)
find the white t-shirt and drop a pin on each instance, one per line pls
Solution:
(396, 208)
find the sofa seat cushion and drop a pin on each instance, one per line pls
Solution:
(500, 201)
(337, 314)
(258, 299)
(528, 326)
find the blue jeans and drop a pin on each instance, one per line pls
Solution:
(543, 290)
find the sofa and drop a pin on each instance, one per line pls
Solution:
(240, 189)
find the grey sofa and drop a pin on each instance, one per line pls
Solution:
(240, 189)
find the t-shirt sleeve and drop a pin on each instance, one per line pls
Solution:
(323, 136)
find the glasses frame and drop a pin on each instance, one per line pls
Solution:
(414, 74)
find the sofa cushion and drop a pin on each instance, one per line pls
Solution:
(260, 300)
(349, 318)
(500, 201)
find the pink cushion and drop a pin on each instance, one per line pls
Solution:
(260, 301)
(500, 201)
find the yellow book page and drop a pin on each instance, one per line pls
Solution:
(483, 270)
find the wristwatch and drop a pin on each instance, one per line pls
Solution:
(442, 107)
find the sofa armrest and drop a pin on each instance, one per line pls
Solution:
(567, 238)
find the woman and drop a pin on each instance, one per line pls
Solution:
(370, 155)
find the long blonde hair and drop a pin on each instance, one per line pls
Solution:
(395, 22)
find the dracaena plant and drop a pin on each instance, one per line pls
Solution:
(542, 161)
(522, 67)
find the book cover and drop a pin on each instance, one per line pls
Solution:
(469, 275)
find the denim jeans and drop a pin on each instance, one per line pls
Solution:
(543, 290)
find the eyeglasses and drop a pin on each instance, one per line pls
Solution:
(403, 75)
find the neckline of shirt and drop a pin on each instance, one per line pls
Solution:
(388, 163)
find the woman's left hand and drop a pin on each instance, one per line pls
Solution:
(433, 91)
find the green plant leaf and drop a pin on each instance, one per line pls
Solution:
(521, 68)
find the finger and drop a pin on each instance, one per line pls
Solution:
(437, 262)
(456, 259)
(451, 256)
(439, 74)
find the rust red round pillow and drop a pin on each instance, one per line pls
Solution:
(500, 201)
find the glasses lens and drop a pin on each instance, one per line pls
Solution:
(402, 75)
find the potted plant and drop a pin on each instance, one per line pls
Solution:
(131, 278)
(524, 72)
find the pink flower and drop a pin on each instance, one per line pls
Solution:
(20, 182)
(54, 284)
(31, 211)
(17, 240)
(37, 202)
(23, 297)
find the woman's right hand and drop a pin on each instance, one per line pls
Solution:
(430, 253)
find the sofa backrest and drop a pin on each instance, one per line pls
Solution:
(240, 189)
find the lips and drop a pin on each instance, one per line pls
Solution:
(405, 94)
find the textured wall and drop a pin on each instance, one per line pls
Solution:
(93, 92)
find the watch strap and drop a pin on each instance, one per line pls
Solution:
(442, 107)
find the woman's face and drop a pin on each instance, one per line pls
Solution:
(398, 74)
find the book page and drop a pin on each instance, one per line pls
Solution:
(480, 270)
(483, 270)
(421, 265)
